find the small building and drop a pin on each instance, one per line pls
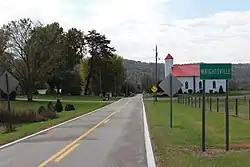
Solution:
(189, 75)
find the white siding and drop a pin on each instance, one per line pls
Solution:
(209, 84)
(168, 66)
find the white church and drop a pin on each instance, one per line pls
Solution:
(189, 75)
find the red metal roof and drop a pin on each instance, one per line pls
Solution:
(169, 57)
(186, 70)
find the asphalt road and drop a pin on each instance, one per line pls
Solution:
(110, 137)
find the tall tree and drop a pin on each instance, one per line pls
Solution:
(72, 51)
(32, 48)
(98, 48)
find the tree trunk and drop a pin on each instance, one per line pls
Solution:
(89, 76)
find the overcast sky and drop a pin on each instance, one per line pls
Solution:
(190, 30)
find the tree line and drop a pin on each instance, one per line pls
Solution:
(46, 56)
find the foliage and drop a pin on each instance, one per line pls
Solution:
(221, 90)
(58, 106)
(4, 95)
(99, 50)
(190, 91)
(211, 91)
(75, 90)
(69, 107)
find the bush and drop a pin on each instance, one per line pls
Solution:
(75, 90)
(215, 92)
(46, 114)
(198, 92)
(221, 89)
(185, 92)
(58, 106)
(180, 91)
(69, 107)
(211, 91)
(50, 106)
(190, 91)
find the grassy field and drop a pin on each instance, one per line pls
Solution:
(76, 98)
(231, 93)
(181, 146)
(29, 128)
(243, 106)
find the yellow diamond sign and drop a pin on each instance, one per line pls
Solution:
(154, 89)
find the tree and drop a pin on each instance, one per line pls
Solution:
(98, 48)
(71, 52)
(32, 48)
(108, 77)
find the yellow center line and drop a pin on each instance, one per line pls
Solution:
(106, 121)
(66, 153)
(74, 142)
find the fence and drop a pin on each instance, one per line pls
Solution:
(239, 107)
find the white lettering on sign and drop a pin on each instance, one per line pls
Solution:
(215, 71)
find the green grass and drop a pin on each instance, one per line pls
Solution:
(243, 106)
(173, 147)
(72, 98)
(27, 129)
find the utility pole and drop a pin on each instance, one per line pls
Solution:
(156, 57)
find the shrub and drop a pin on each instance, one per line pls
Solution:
(46, 114)
(58, 106)
(215, 92)
(185, 92)
(75, 90)
(50, 106)
(180, 91)
(221, 89)
(211, 91)
(69, 107)
(198, 92)
(190, 91)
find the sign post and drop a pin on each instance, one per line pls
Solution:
(170, 85)
(204, 117)
(215, 71)
(154, 90)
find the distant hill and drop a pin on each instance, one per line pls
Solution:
(137, 69)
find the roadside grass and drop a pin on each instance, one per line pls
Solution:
(231, 93)
(181, 146)
(243, 106)
(65, 97)
(30, 128)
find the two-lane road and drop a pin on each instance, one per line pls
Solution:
(113, 136)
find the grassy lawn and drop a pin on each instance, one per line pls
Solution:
(26, 129)
(72, 98)
(181, 146)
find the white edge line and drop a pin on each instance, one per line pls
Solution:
(53, 127)
(149, 150)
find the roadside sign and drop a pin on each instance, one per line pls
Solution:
(215, 71)
(154, 89)
(12, 81)
(165, 84)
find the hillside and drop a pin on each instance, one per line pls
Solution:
(138, 70)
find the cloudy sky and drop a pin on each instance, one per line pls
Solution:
(190, 30)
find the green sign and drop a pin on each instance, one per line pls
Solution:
(215, 71)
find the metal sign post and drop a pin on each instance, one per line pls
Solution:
(216, 71)
(227, 117)
(170, 85)
(204, 117)
(7, 88)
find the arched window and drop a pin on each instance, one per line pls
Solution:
(186, 85)
(214, 84)
(200, 85)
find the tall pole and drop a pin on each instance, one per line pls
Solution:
(171, 101)
(203, 117)
(227, 116)
(156, 57)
